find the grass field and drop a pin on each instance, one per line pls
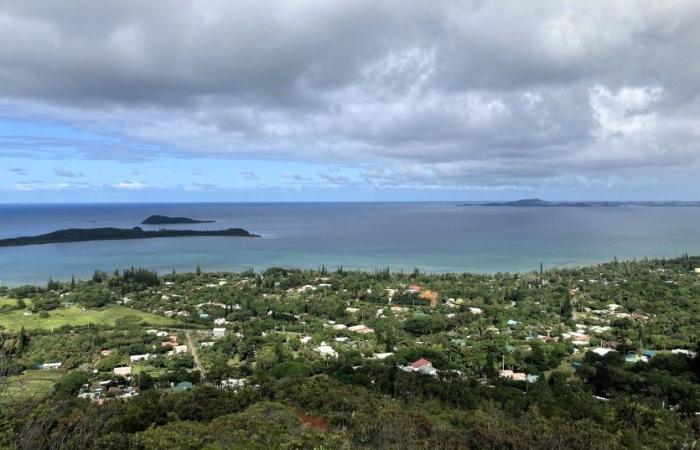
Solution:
(31, 383)
(5, 301)
(74, 315)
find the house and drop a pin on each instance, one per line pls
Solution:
(233, 383)
(54, 365)
(476, 311)
(305, 339)
(632, 357)
(519, 376)
(326, 350)
(430, 296)
(511, 375)
(532, 378)
(697, 270)
(422, 366)
(124, 371)
(137, 358)
(682, 351)
(218, 332)
(105, 352)
(576, 338)
(183, 386)
(361, 329)
(339, 327)
(512, 323)
(220, 321)
(414, 288)
(602, 351)
(206, 344)
(180, 349)
(383, 355)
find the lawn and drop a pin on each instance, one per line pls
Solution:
(75, 315)
(31, 383)
(5, 301)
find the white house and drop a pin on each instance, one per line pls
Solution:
(233, 383)
(218, 332)
(122, 371)
(55, 365)
(143, 357)
(602, 351)
(326, 350)
(361, 329)
(180, 349)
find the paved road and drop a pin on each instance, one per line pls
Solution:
(193, 351)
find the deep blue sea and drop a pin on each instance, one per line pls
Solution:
(434, 237)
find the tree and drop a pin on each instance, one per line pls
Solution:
(565, 309)
(22, 341)
(144, 381)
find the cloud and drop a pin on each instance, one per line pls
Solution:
(19, 171)
(469, 94)
(249, 175)
(130, 185)
(61, 172)
(200, 187)
(335, 180)
(25, 186)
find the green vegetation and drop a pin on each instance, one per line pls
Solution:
(166, 220)
(77, 316)
(30, 384)
(600, 357)
(102, 234)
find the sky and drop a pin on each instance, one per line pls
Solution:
(354, 100)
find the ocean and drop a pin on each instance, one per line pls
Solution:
(433, 237)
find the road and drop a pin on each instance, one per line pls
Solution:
(195, 356)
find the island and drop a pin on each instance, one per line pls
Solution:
(105, 234)
(166, 220)
(538, 203)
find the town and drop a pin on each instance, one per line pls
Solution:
(606, 339)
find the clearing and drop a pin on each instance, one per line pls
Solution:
(32, 383)
(76, 315)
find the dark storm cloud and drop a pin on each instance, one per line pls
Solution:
(455, 93)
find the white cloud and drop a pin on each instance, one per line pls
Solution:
(130, 185)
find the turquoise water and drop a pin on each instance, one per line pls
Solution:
(435, 237)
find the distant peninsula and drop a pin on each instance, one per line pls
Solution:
(537, 203)
(109, 234)
(166, 220)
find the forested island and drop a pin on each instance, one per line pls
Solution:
(105, 234)
(166, 220)
(536, 202)
(601, 357)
